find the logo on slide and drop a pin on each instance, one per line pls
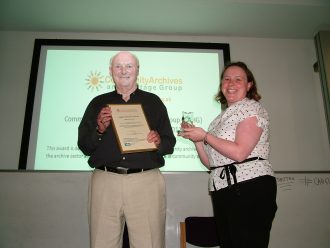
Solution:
(94, 81)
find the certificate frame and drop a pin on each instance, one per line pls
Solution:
(131, 128)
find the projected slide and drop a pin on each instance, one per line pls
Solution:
(69, 78)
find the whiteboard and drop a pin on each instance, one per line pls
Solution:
(50, 209)
(302, 219)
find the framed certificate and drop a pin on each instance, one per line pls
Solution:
(131, 128)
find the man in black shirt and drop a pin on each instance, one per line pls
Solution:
(126, 187)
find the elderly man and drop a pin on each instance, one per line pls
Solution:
(126, 187)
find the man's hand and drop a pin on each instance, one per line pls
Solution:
(104, 119)
(154, 137)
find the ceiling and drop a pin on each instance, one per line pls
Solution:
(300, 19)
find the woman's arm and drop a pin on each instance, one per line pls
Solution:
(202, 154)
(247, 137)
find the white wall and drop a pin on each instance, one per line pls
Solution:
(283, 69)
(50, 210)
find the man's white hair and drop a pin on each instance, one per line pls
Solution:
(133, 55)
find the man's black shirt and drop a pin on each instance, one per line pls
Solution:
(104, 150)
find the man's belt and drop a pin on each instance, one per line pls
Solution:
(122, 170)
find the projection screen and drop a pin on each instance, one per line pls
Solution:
(67, 74)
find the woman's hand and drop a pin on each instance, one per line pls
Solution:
(195, 134)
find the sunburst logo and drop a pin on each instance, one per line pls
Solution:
(94, 80)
